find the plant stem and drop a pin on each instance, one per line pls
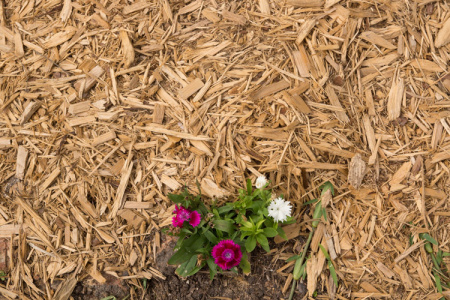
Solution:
(305, 248)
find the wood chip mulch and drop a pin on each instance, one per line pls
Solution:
(106, 106)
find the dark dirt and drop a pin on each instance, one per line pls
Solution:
(263, 282)
(89, 289)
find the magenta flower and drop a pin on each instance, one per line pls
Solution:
(227, 254)
(183, 214)
(195, 218)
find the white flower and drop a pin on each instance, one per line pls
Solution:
(280, 209)
(261, 181)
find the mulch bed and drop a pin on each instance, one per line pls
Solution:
(108, 106)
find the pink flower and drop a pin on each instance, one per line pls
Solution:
(227, 254)
(195, 218)
(183, 214)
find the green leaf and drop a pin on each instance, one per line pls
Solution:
(327, 186)
(256, 206)
(109, 298)
(259, 223)
(211, 237)
(247, 224)
(225, 209)
(250, 243)
(195, 242)
(318, 211)
(270, 232)
(281, 233)
(437, 279)
(176, 198)
(310, 202)
(245, 264)
(212, 268)
(187, 267)
(297, 268)
(266, 248)
(293, 257)
(325, 252)
(195, 270)
(330, 264)
(224, 225)
(333, 273)
(262, 240)
(180, 239)
(439, 257)
(249, 187)
(429, 238)
(198, 186)
(324, 214)
(144, 283)
(179, 257)
(302, 271)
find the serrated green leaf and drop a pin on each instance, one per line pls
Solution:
(270, 232)
(250, 243)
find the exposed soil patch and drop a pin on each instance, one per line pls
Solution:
(263, 282)
(89, 289)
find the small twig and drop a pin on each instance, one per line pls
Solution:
(53, 62)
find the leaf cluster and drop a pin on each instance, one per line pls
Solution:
(245, 221)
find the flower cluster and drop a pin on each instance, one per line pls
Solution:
(222, 237)
(183, 214)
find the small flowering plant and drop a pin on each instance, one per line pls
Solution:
(221, 237)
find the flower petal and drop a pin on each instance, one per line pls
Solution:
(195, 218)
